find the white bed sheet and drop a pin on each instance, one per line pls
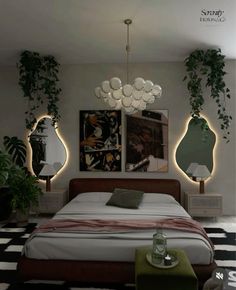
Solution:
(116, 246)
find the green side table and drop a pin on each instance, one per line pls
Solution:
(148, 277)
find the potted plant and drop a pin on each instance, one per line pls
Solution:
(18, 189)
(38, 79)
(208, 66)
(5, 196)
(24, 191)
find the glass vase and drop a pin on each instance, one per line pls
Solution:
(159, 247)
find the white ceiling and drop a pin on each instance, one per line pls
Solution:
(92, 31)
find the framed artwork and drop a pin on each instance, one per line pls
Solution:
(147, 141)
(100, 140)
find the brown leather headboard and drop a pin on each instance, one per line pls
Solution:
(80, 185)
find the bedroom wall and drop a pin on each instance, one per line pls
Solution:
(78, 82)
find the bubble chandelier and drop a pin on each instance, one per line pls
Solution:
(130, 97)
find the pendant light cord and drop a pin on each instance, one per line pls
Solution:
(127, 22)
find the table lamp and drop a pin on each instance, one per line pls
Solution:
(48, 170)
(191, 168)
(201, 173)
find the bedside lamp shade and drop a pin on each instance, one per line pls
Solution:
(201, 173)
(192, 168)
(48, 170)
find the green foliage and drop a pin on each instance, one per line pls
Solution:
(14, 153)
(38, 81)
(5, 167)
(24, 189)
(208, 65)
(16, 148)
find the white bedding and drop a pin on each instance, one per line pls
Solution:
(115, 246)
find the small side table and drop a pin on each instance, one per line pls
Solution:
(52, 201)
(204, 204)
(148, 277)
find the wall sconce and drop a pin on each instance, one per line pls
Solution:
(48, 171)
(201, 173)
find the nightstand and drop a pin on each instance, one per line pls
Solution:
(52, 201)
(203, 205)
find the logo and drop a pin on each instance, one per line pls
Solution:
(225, 279)
(219, 275)
(231, 283)
(212, 16)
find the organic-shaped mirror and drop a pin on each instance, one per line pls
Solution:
(47, 147)
(196, 146)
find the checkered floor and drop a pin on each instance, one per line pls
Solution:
(225, 247)
(12, 239)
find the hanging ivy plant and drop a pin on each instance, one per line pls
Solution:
(39, 82)
(208, 66)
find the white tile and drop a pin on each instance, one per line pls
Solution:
(8, 266)
(4, 286)
(226, 247)
(216, 235)
(226, 263)
(12, 230)
(25, 236)
(228, 227)
(14, 248)
(4, 241)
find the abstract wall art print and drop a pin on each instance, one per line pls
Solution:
(147, 141)
(100, 140)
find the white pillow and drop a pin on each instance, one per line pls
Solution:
(158, 197)
(93, 197)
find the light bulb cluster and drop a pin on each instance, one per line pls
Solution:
(131, 98)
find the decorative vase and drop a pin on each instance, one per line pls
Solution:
(159, 247)
(22, 217)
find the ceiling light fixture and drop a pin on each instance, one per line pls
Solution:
(130, 98)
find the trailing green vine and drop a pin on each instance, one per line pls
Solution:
(209, 65)
(39, 82)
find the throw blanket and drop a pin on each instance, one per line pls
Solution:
(98, 225)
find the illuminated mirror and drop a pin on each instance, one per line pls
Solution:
(197, 146)
(47, 147)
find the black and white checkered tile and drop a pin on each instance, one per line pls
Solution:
(12, 239)
(224, 241)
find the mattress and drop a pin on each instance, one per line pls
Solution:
(116, 246)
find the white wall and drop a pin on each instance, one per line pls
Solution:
(78, 83)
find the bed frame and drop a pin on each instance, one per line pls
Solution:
(101, 271)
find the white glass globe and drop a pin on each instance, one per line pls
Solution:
(127, 90)
(139, 83)
(97, 92)
(106, 86)
(117, 94)
(126, 101)
(148, 86)
(115, 83)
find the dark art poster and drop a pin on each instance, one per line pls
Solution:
(147, 141)
(100, 140)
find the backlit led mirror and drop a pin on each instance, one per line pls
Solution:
(47, 147)
(196, 146)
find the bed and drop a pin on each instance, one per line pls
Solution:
(112, 268)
